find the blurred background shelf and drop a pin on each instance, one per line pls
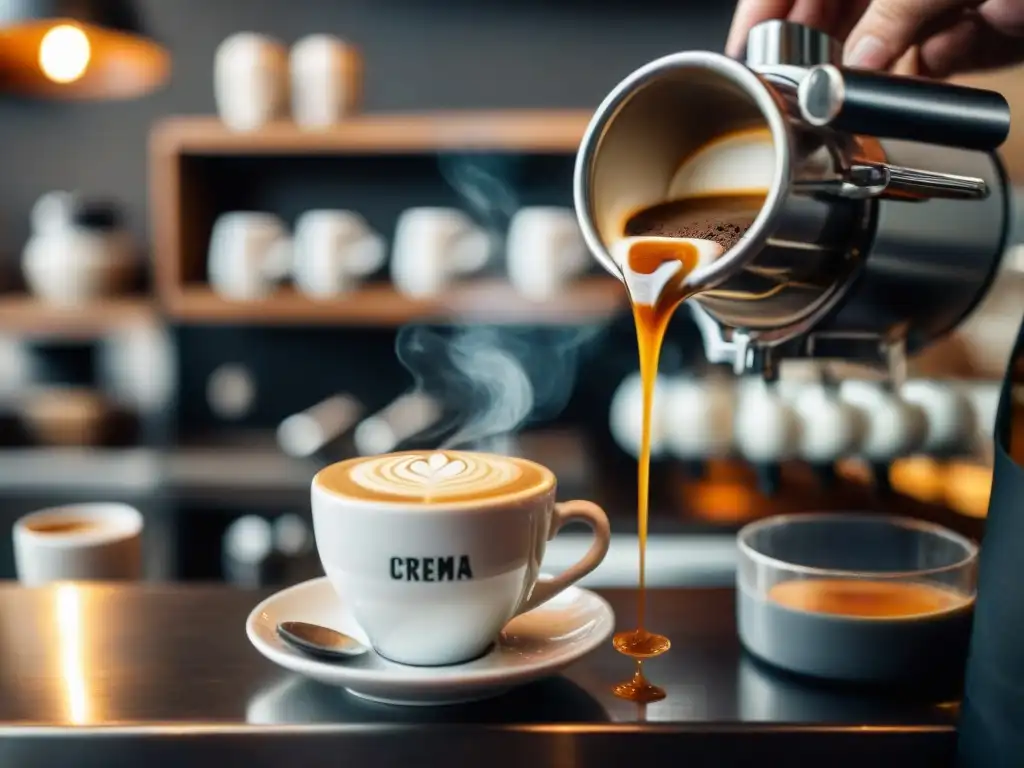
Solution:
(511, 130)
(22, 314)
(377, 165)
(592, 299)
(121, 470)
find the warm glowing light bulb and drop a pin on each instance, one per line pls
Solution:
(64, 53)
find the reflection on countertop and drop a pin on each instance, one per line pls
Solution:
(136, 673)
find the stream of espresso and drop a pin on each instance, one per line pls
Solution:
(674, 229)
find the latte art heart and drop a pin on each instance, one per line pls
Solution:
(422, 475)
(437, 468)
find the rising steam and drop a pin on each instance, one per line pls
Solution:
(491, 381)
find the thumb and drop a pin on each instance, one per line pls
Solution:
(889, 28)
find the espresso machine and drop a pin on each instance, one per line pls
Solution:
(887, 211)
(885, 220)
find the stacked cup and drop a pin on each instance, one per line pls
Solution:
(811, 421)
(255, 78)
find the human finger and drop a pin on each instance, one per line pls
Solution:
(970, 45)
(750, 13)
(889, 27)
(853, 10)
(1006, 16)
(833, 17)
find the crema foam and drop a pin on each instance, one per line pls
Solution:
(430, 477)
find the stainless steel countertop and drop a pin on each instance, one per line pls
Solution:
(163, 675)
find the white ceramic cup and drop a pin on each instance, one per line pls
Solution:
(830, 428)
(250, 81)
(67, 264)
(79, 542)
(951, 420)
(699, 417)
(250, 254)
(893, 426)
(326, 74)
(544, 250)
(333, 251)
(434, 246)
(766, 427)
(433, 583)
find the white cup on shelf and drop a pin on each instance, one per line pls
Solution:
(78, 251)
(333, 251)
(250, 81)
(250, 254)
(893, 427)
(951, 419)
(766, 428)
(433, 247)
(699, 417)
(544, 251)
(830, 428)
(326, 75)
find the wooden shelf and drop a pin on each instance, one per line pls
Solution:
(25, 315)
(491, 301)
(537, 131)
(188, 193)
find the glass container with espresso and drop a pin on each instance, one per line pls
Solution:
(787, 217)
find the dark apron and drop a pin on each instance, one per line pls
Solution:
(992, 715)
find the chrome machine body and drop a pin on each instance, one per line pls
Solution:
(885, 218)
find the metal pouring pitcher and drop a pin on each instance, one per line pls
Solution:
(886, 211)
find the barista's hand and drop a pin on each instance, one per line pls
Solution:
(951, 36)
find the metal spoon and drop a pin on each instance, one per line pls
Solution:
(319, 641)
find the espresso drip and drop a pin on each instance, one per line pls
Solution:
(682, 225)
(639, 689)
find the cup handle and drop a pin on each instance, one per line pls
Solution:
(566, 512)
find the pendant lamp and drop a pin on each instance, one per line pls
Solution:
(77, 49)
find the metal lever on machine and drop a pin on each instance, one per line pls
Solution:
(913, 109)
(866, 180)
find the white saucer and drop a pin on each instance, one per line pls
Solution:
(532, 646)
